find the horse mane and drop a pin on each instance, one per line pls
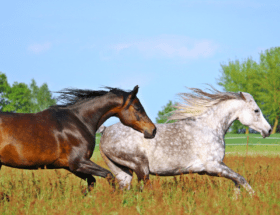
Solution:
(198, 101)
(71, 96)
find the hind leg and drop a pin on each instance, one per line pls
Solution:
(139, 164)
(122, 165)
(123, 174)
(142, 171)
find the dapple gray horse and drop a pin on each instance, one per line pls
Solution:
(195, 143)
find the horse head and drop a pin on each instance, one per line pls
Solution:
(251, 115)
(133, 114)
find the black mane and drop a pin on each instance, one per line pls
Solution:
(70, 96)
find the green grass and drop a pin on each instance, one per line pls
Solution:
(253, 139)
(253, 150)
(257, 145)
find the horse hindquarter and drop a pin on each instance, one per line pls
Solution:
(24, 143)
(123, 157)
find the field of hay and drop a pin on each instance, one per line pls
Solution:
(59, 192)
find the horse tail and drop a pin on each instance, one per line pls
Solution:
(101, 129)
(105, 158)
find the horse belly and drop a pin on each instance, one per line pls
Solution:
(163, 164)
(175, 168)
(165, 161)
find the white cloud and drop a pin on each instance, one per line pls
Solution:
(170, 46)
(39, 48)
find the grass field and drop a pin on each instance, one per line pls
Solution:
(58, 192)
(253, 139)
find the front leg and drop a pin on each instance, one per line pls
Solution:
(86, 168)
(88, 178)
(215, 168)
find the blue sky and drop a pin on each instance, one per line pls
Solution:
(162, 46)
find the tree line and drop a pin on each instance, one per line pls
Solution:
(23, 98)
(260, 79)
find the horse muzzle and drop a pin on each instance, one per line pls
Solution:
(149, 135)
(266, 133)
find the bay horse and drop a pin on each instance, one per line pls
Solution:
(193, 144)
(63, 136)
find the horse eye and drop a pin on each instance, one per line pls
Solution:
(136, 108)
(256, 111)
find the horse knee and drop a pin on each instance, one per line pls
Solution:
(124, 180)
(142, 173)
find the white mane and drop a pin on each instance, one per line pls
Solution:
(197, 102)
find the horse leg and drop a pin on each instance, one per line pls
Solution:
(84, 168)
(220, 169)
(88, 178)
(138, 163)
(142, 171)
(123, 174)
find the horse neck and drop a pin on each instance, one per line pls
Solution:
(95, 112)
(221, 116)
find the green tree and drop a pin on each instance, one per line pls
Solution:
(34, 93)
(239, 76)
(41, 97)
(269, 84)
(18, 98)
(165, 113)
(236, 127)
(23, 99)
(4, 87)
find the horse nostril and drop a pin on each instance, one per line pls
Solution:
(269, 132)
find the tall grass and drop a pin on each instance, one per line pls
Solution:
(60, 192)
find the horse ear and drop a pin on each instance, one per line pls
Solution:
(242, 96)
(132, 96)
(134, 93)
